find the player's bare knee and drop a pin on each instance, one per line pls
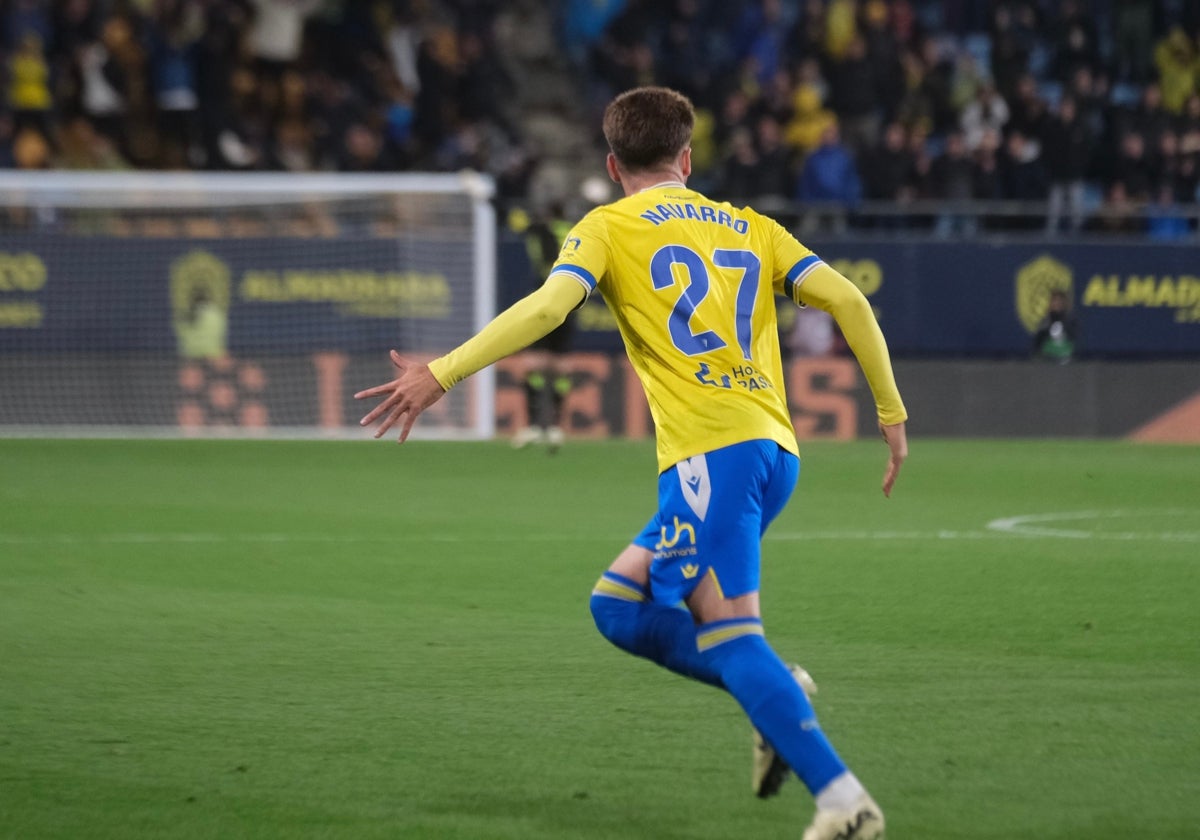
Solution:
(633, 563)
(708, 603)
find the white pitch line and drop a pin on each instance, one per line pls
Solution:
(799, 536)
(202, 538)
(1029, 525)
(137, 539)
(1000, 529)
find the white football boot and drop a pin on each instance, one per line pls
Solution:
(528, 435)
(863, 821)
(768, 769)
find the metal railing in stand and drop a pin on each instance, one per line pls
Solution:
(965, 219)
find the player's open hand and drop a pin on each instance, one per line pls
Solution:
(897, 440)
(413, 391)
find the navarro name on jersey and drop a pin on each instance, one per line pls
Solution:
(700, 213)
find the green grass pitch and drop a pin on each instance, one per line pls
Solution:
(268, 639)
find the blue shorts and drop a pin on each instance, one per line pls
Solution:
(713, 510)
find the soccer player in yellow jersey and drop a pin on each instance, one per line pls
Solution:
(692, 283)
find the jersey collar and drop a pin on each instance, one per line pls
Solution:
(664, 184)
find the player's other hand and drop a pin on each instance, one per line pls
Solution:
(410, 393)
(897, 440)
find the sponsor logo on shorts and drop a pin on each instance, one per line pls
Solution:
(682, 543)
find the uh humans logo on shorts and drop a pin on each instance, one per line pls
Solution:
(668, 547)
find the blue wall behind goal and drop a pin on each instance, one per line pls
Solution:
(985, 298)
(63, 292)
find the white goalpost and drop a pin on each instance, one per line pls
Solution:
(179, 304)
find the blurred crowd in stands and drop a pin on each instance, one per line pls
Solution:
(1088, 107)
(290, 85)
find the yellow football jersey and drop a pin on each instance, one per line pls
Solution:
(692, 284)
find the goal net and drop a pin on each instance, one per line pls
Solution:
(148, 304)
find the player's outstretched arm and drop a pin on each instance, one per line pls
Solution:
(420, 386)
(826, 289)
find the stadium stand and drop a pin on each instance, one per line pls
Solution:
(1048, 95)
(512, 89)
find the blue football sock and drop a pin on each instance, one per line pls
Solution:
(730, 654)
(759, 680)
(667, 635)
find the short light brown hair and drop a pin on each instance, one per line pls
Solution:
(648, 126)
